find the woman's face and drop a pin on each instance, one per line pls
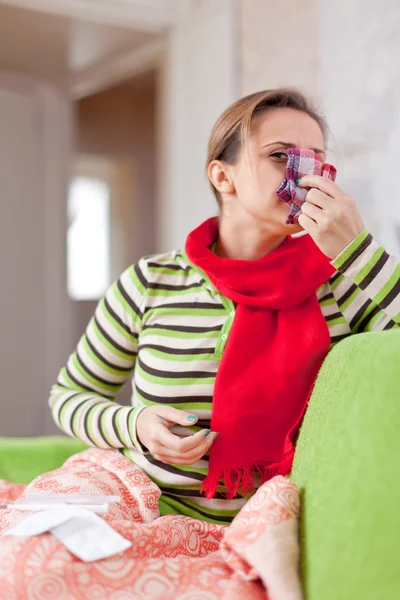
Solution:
(258, 173)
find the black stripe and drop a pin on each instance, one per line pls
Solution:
(86, 426)
(96, 377)
(179, 351)
(374, 271)
(116, 317)
(176, 399)
(188, 305)
(129, 300)
(140, 276)
(394, 292)
(347, 294)
(333, 316)
(84, 387)
(326, 297)
(182, 329)
(187, 493)
(389, 325)
(71, 419)
(359, 314)
(107, 362)
(161, 286)
(364, 323)
(338, 338)
(335, 277)
(112, 341)
(174, 470)
(367, 242)
(173, 374)
(173, 267)
(114, 424)
(201, 512)
(60, 409)
(100, 425)
(177, 288)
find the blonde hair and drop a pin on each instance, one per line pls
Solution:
(232, 130)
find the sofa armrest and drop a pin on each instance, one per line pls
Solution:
(347, 469)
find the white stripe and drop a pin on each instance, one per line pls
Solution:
(186, 320)
(106, 354)
(393, 309)
(108, 426)
(174, 366)
(362, 260)
(95, 431)
(169, 391)
(340, 329)
(115, 335)
(151, 336)
(380, 323)
(381, 278)
(97, 370)
(81, 380)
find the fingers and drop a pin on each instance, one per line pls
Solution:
(311, 210)
(320, 199)
(308, 224)
(169, 456)
(180, 445)
(174, 415)
(327, 186)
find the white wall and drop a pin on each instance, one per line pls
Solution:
(360, 49)
(34, 307)
(198, 81)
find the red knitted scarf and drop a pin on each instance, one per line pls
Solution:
(274, 351)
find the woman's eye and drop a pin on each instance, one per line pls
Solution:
(279, 155)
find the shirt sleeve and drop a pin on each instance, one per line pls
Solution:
(83, 400)
(367, 285)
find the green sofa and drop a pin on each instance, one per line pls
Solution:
(345, 467)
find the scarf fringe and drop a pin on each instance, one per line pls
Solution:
(242, 478)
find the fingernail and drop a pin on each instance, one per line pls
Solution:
(216, 434)
(298, 180)
(207, 432)
(192, 418)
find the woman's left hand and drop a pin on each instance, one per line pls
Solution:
(329, 215)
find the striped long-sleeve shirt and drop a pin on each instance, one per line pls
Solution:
(164, 324)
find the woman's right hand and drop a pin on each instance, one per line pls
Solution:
(153, 431)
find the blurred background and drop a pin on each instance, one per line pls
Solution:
(105, 111)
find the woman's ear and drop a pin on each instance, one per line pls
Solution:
(219, 175)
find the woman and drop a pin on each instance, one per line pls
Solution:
(226, 337)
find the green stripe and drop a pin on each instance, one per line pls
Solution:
(337, 282)
(344, 305)
(372, 322)
(167, 333)
(180, 357)
(190, 405)
(177, 381)
(367, 268)
(389, 285)
(93, 328)
(124, 303)
(327, 302)
(351, 248)
(114, 389)
(168, 271)
(114, 324)
(338, 321)
(102, 365)
(365, 314)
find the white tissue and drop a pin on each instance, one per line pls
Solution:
(85, 534)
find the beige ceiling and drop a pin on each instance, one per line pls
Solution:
(55, 47)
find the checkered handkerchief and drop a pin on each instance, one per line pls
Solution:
(301, 162)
